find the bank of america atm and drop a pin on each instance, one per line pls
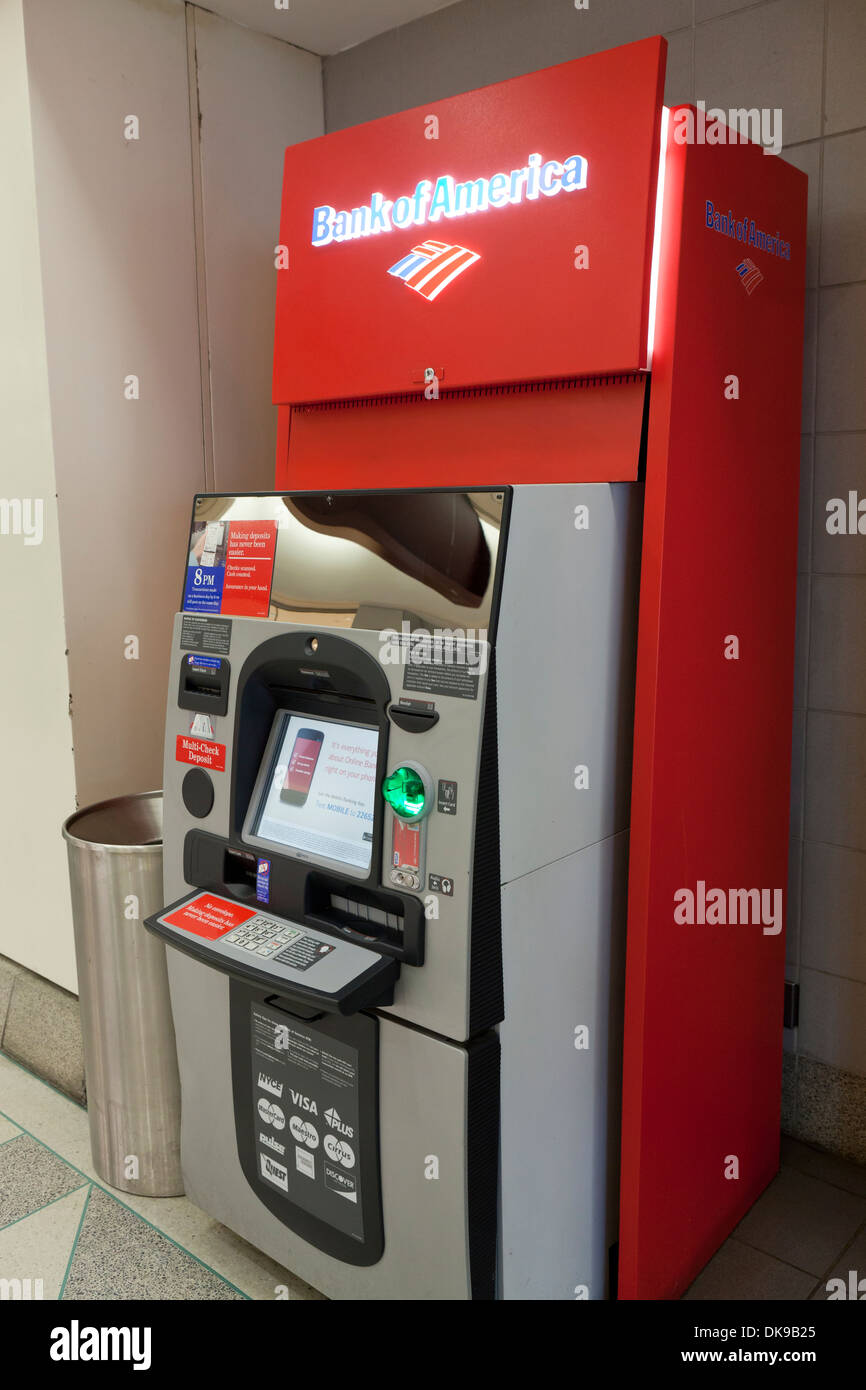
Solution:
(499, 671)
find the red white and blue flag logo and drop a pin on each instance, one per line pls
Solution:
(430, 268)
(750, 275)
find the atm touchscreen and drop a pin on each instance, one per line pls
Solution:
(315, 792)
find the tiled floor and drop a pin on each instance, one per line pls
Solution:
(809, 1226)
(61, 1225)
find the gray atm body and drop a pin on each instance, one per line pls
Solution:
(492, 1070)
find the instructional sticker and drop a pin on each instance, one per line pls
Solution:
(202, 726)
(201, 753)
(206, 635)
(303, 952)
(263, 880)
(317, 1075)
(446, 798)
(209, 917)
(230, 567)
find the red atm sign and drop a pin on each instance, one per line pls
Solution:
(500, 236)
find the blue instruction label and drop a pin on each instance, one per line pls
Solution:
(206, 663)
(263, 880)
(204, 589)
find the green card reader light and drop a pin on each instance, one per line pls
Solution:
(406, 794)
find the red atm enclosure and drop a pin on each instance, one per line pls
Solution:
(544, 281)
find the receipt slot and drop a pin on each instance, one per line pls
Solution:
(376, 867)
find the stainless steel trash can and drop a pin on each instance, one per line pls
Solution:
(130, 1059)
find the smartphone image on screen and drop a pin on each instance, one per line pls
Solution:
(302, 765)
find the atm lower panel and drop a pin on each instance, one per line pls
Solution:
(430, 1159)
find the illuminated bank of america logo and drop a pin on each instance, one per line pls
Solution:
(431, 267)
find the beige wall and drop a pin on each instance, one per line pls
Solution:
(35, 736)
(154, 258)
(119, 276)
(256, 96)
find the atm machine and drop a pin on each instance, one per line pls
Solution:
(501, 667)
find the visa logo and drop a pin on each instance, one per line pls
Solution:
(304, 1103)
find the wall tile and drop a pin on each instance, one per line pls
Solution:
(804, 532)
(840, 468)
(845, 96)
(801, 643)
(837, 650)
(808, 158)
(711, 9)
(792, 909)
(810, 350)
(769, 56)
(479, 41)
(789, 1092)
(841, 388)
(843, 208)
(798, 771)
(833, 911)
(833, 1021)
(678, 74)
(835, 801)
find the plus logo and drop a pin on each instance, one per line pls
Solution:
(333, 1118)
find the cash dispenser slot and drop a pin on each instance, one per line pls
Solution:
(361, 914)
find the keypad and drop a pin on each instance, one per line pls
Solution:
(262, 936)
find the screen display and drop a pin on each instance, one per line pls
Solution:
(320, 796)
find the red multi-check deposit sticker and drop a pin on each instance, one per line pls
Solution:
(208, 916)
(200, 752)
